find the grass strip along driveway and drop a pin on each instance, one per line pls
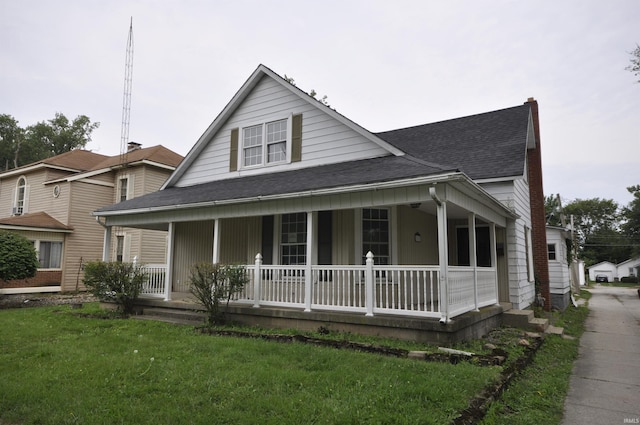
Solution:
(59, 367)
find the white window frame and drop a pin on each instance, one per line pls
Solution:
(37, 245)
(264, 157)
(555, 252)
(129, 188)
(20, 205)
(390, 239)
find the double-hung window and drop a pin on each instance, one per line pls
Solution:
(293, 239)
(123, 189)
(265, 143)
(21, 197)
(375, 234)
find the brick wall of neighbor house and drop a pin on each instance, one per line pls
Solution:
(42, 278)
(538, 222)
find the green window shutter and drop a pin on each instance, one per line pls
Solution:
(296, 138)
(233, 151)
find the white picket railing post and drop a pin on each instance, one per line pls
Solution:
(257, 281)
(369, 284)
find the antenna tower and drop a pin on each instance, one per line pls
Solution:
(126, 102)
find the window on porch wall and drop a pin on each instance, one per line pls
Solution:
(375, 234)
(293, 239)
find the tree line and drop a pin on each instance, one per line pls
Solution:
(21, 146)
(603, 229)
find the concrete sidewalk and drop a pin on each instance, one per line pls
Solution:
(605, 381)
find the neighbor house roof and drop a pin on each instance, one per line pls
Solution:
(74, 161)
(157, 154)
(483, 146)
(38, 220)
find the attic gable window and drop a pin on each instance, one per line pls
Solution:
(265, 143)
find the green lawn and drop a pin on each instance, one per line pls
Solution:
(57, 367)
(537, 396)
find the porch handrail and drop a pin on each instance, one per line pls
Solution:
(155, 280)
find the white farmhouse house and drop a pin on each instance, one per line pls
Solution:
(430, 221)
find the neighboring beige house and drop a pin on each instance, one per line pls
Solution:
(50, 202)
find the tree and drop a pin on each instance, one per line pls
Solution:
(20, 146)
(11, 135)
(596, 222)
(553, 210)
(18, 258)
(631, 225)
(635, 62)
(58, 135)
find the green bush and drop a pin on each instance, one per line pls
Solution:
(213, 283)
(116, 282)
(18, 257)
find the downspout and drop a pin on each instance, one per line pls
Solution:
(106, 244)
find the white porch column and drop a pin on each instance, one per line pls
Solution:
(308, 278)
(216, 241)
(473, 258)
(106, 246)
(168, 281)
(257, 280)
(369, 284)
(443, 253)
(494, 257)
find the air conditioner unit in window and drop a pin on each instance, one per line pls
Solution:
(17, 211)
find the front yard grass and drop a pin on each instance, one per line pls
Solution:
(537, 395)
(58, 367)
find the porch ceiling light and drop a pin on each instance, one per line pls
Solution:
(415, 205)
(417, 237)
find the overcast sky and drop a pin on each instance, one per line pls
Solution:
(383, 64)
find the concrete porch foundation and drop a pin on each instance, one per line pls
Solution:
(468, 326)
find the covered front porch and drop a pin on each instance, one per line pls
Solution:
(408, 249)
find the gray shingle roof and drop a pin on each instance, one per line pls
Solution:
(328, 176)
(483, 146)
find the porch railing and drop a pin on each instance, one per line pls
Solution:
(370, 289)
(155, 280)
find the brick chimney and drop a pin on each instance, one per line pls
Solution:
(132, 146)
(538, 220)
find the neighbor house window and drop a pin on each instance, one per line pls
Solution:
(375, 234)
(265, 143)
(123, 189)
(50, 254)
(21, 197)
(119, 248)
(551, 251)
(293, 239)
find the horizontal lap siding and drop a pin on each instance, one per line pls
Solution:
(86, 241)
(515, 195)
(324, 139)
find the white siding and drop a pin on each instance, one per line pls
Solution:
(559, 268)
(515, 195)
(324, 139)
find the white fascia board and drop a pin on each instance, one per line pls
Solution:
(34, 229)
(80, 176)
(239, 97)
(497, 179)
(19, 171)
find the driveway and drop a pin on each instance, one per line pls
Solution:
(605, 381)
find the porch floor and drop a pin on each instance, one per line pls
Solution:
(471, 325)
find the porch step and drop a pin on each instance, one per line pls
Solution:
(182, 317)
(524, 319)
